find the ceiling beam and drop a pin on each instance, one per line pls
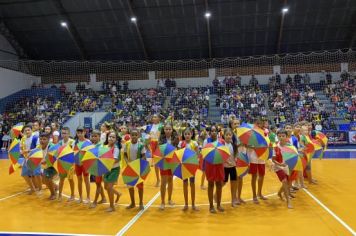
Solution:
(353, 31)
(6, 32)
(280, 34)
(142, 42)
(208, 29)
(71, 28)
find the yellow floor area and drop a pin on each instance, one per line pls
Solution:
(21, 212)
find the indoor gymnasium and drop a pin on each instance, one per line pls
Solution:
(177, 117)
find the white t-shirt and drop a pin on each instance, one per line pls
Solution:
(116, 157)
(133, 151)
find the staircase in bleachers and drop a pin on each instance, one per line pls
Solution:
(214, 111)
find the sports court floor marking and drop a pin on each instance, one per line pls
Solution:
(13, 195)
(138, 215)
(330, 212)
(45, 233)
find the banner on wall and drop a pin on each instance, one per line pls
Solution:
(352, 137)
(353, 125)
(337, 137)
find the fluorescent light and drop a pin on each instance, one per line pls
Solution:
(64, 24)
(133, 19)
(207, 15)
(285, 10)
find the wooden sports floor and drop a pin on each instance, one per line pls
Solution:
(328, 208)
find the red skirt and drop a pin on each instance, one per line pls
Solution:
(214, 172)
(165, 172)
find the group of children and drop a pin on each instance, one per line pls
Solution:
(134, 143)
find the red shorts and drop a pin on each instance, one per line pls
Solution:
(165, 172)
(98, 179)
(282, 175)
(79, 171)
(259, 169)
(139, 186)
(214, 173)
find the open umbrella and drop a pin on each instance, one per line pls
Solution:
(136, 172)
(242, 164)
(189, 163)
(52, 155)
(79, 151)
(215, 153)
(16, 130)
(14, 151)
(318, 150)
(35, 158)
(322, 138)
(162, 156)
(301, 163)
(65, 159)
(290, 156)
(98, 160)
(252, 137)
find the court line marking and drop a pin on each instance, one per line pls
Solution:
(138, 215)
(46, 233)
(13, 195)
(330, 212)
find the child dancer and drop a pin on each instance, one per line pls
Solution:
(135, 150)
(187, 142)
(168, 135)
(281, 168)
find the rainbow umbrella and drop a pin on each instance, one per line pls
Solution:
(215, 153)
(34, 158)
(52, 155)
(318, 150)
(13, 168)
(162, 154)
(98, 160)
(290, 156)
(136, 172)
(79, 151)
(16, 130)
(264, 153)
(189, 163)
(252, 137)
(322, 138)
(14, 151)
(309, 148)
(65, 159)
(242, 164)
(301, 163)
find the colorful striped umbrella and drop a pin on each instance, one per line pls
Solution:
(65, 159)
(252, 137)
(189, 163)
(309, 148)
(14, 151)
(215, 153)
(290, 156)
(242, 164)
(98, 160)
(79, 151)
(136, 172)
(52, 155)
(162, 156)
(13, 168)
(318, 150)
(35, 158)
(322, 138)
(301, 163)
(16, 130)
